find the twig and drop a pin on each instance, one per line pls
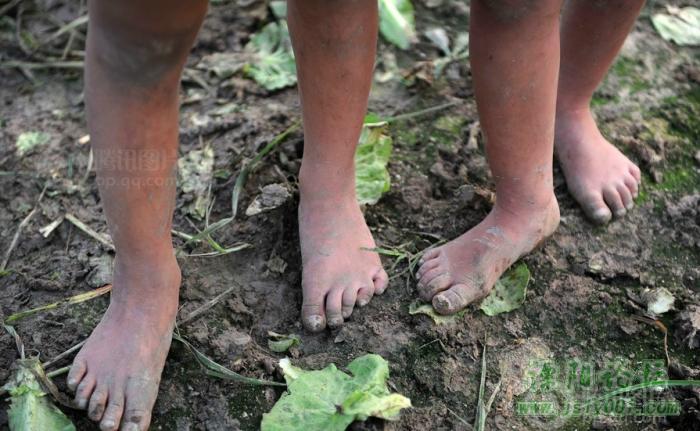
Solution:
(206, 306)
(89, 231)
(28, 65)
(60, 356)
(82, 297)
(415, 114)
(58, 372)
(21, 226)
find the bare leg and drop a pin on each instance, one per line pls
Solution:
(516, 97)
(599, 176)
(334, 43)
(135, 54)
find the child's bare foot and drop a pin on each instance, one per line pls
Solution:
(598, 175)
(116, 374)
(338, 270)
(464, 270)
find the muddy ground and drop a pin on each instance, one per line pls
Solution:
(579, 301)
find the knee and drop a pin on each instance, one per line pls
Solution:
(512, 10)
(136, 52)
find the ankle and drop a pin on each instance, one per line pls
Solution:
(322, 181)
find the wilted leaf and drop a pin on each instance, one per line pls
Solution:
(681, 26)
(195, 170)
(28, 141)
(371, 158)
(31, 409)
(428, 310)
(396, 22)
(223, 64)
(271, 196)
(281, 343)
(330, 400)
(509, 291)
(272, 64)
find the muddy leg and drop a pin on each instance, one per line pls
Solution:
(135, 54)
(334, 43)
(515, 62)
(599, 176)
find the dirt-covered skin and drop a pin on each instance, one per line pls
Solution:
(464, 270)
(116, 375)
(577, 303)
(602, 179)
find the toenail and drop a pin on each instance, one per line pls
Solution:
(621, 212)
(108, 424)
(630, 205)
(441, 303)
(314, 322)
(132, 427)
(362, 302)
(334, 322)
(81, 403)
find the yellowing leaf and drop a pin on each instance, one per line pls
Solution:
(373, 152)
(330, 400)
(28, 141)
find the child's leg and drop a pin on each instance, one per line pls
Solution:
(515, 62)
(599, 176)
(334, 43)
(135, 53)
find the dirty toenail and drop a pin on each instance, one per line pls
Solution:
(630, 205)
(81, 403)
(621, 212)
(314, 322)
(441, 303)
(335, 322)
(362, 302)
(107, 425)
(132, 427)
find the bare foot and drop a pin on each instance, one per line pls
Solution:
(465, 269)
(116, 374)
(338, 270)
(598, 175)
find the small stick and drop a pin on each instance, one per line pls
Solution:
(58, 372)
(21, 226)
(60, 356)
(206, 306)
(89, 231)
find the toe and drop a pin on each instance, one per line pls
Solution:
(636, 173)
(381, 281)
(436, 285)
(313, 316)
(140, 397)
(431, 253)
(84, 391)
(614, 201)
(626, 196)
(113, 413)
(349, 298)
(98, 402)
(76, 373)
(334, 300)
(427, 266)
(632, 186)
(364, 295)
(456, 298)
(595, 208)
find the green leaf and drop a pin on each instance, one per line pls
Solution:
(279, 8)
(28, 141)
(509, 291)
(681, 26)
(272, 64)
(30, 408)
(397, 22)
(371, 158)
(195, 170)
(330, 400)
(281, 343)
(428, 310)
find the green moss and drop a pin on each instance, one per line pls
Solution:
(628, 71)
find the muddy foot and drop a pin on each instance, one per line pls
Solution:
(338, 270)
(116, 374)
(598, 175)
(458, 273)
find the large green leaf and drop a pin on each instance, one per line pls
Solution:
(396, 22)
(30, 407)
(272, 64)
(330, 400)
(371, 158)
(509, 291)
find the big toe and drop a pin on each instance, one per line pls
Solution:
(595, 208)
(140, 396)
(454, 299)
